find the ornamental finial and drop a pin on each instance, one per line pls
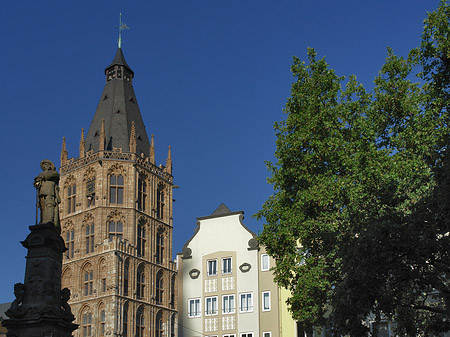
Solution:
(122, 26)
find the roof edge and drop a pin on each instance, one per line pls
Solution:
(219, 215)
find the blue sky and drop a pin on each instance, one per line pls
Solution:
(211, 78)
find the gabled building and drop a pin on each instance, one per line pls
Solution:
(226, 286)
(116, 220)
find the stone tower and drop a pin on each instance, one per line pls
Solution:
(116, 220)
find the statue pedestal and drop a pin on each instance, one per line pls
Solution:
(39, 309)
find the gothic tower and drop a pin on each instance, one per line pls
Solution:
(116, 220)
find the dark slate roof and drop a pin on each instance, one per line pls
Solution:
(119, 59)
(221, 210)
(118, 107)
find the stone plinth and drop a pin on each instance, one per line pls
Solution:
(40, 307)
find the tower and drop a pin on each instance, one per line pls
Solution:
(116, 220)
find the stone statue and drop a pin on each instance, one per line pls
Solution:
(67, 312)
(46, 184)
(16, 309)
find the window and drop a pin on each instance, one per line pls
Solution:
(159, 325)
(142, 194)
(172, 326)
(230, 335)
(212, 267)
(246, 302)
(71, 198)
(265, 301)
(89, 238)
(228, 304)
(267, 334)
(140, 323)
(102, 322)
(126, 270)
(140, 282)
(211, 305)
(90, 192)
(125, 320)
(247, 334)
(159, 287)
(226, 265)
(116, 189)
(70, 242)
(103, 285)
(115, 229)
(88, 282)
(172, 292)
(159, 203)
(141, 240)
(86, 325)
(194, 307)
(264, 262)
(159, 247)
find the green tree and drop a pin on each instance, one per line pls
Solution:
(359, 222)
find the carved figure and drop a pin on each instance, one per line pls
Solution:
(16, 309)
(67, 312)
(48, 192)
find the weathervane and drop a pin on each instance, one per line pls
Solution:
(122, 26)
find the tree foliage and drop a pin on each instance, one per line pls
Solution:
(359, 222)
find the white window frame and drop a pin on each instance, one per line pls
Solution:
(224, 272)
(214, 309)
(248, 308)
(267, 334)
(209, 269)
(263, 267)
(229, 301)
(196, 313)
(263, 294)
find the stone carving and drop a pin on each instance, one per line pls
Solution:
(253, 243)
(194, 273)
(245, 267)
(16, 309)
(67, 312)
(47, 187)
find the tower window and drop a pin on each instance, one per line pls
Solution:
(140, 282)
(88, 282)
(116, 189)
(90, 192)
(87, 324)
(126, 270)
(102, 322)
(89, 238)
(140, 323)
(159, 247)
(141, 240)
(142, 194)
(115, 229)
(70, 242)
(71, 198)
(159, 203)
(159, 288)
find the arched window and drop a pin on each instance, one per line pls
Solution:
(89, 236)
(102, 273)
(172, 326)
(88, 281)
(66, 278)
(102, 320)
(142, 194)
(159, 247)
(90, 192)
(126, 271)
(125, 320)
(70, 243)
(160, 202)
(140, 281)
(141, 239)
(172, 292)
(86, 324)
(116, 189)
(159, 324)
(140, 322)
(115, 229)
(159, 287)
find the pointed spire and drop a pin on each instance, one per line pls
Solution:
(82, 146)
(169, 162)
(133, 138)
(64, 153)
(152, 150)
(102, 138)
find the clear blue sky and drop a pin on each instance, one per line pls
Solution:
(211, 78)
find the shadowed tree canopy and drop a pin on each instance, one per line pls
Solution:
(359, 222)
